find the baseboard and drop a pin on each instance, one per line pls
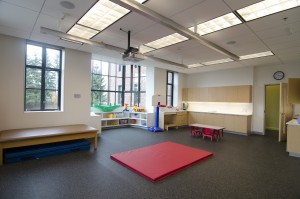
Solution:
(297, 155)
(257, 133)
(272, 128)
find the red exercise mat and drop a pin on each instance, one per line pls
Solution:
(160, 160)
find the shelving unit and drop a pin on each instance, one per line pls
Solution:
(117, 119)
(138, 119)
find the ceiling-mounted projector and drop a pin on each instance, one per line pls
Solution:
(132, 57)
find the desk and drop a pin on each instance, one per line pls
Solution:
(216, 129)
(173, 119)
(35, 136)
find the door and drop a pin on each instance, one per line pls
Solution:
(285, 112)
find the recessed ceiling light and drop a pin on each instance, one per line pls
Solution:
(220, 61)
(195, 65)
(256, 55)
(101, 15)
(166, 41)
(216, 24)
(145, 49)
(71, 40)
(67, 4)
(81, 31)
(266, 7)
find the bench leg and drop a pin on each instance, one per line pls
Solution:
(96, 142)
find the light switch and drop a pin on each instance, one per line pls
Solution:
(77, 96)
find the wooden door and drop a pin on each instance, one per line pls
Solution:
(285, 112)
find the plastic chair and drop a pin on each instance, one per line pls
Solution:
(212, 134)
(207, 133)
(196, 131)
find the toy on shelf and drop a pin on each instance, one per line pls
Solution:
(125, 107)
(109, 108)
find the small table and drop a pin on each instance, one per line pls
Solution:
(215, 129)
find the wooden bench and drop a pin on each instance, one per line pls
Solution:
(33, 136)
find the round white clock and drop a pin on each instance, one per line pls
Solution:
(278, 75)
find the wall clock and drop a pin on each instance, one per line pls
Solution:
(278, 75)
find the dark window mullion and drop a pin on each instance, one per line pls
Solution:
(43, 80)
(123, 84)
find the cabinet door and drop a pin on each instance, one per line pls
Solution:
(203, 95)
(181, 118)
(293, 90)
(185, 94)
(193, 94)
(244, 94)
(193, 118)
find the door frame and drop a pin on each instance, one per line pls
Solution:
(265, 97)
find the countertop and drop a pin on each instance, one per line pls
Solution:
(293, 122)
(215, 112)
(212, 112)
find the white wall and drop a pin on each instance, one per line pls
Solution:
(242, 76)
(264, 76)
(12, 79)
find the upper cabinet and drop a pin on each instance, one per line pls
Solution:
(185, 94)
(294, 91)
(238, 94)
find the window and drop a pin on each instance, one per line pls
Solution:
(118, 84)
(107, 83)
(170, 88)
(135, 85)
(42, 77)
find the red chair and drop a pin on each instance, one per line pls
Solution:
(212, 134)
(207, 133)
(196, 131)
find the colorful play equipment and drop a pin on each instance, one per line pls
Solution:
(156, 127)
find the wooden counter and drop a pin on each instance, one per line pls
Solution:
(293, 138)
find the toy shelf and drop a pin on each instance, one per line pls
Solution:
(116, 119)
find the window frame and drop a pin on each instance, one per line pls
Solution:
(44, 69)
(130, 91)
(167, 88)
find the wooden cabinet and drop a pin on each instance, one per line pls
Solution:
(175, 119)
(235, 123)
(185, 94)
(181, 118)
(293, 138)
(294, 91)
(243, 94)
(193, 94)
(219, 94)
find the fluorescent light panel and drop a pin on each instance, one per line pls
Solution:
(70, 40)
(195, 65)
(81, 31)
(145, 49)
(216, 24)
(256, 55)
(100, 16)
(266, 7)
(220, 61)
(166, 41)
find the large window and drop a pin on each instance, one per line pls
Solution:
(107, 81)
(42, 77)
(170, 88)
(118, 84)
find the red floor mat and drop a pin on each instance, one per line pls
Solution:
(160, 160)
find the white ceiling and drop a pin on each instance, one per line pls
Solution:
(23, 18)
